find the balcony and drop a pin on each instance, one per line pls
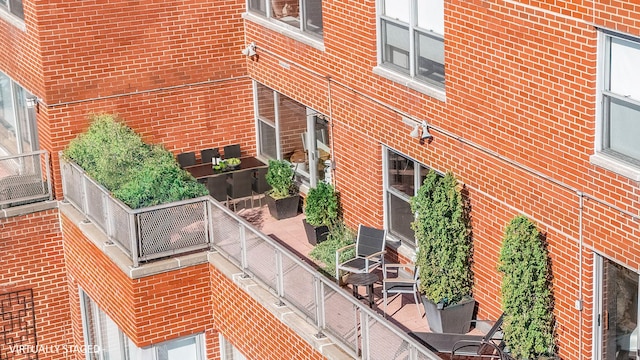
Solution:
(270, 253)
(24, 179)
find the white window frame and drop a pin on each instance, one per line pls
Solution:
(15, 8)
(21, 110)
(299, 28)
(409, 76)
(603, 157)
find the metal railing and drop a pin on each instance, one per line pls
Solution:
(25, 178)
(203, 222)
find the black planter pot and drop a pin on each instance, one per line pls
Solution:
(283, 208)
(315, 234)
(454, 319)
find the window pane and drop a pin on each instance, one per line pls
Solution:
(266, 108)
(395, 47)
(16, 8)
(620, 301)
(398, 9)
(182, 349)
(401, 173)
(313, 16)
(625, 72)
(8, 126)
(431, 15)
(287, 11)
(267, 135)
(623, 128)
(400, 218)
(293, 126)
(430, 49)
(258, 6)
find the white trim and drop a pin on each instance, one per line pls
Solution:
(615, 165)
(12, 19)
(413, 84)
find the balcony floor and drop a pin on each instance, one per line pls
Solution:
(401, 310)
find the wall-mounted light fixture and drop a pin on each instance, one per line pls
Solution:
(420, 130)
(33, 102)
(250, 50)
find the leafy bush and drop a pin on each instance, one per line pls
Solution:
(442, 232)
(137, 174)
(107, 150)
(280, 177)
(159, 180)
(325, 252)
(526, 295)
(321, 205)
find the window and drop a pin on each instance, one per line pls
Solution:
(228, 351)
(412, 38)
(288, 130)
(402, 177)
(617, 311)
(305, 15)
(105, 341)
(14, 7)
(620, 99)
(18, 132)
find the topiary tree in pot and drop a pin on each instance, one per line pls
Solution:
(321, 212)
(443, 235)
(283, 199)
(527, 301)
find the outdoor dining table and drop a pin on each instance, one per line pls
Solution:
(206, 169)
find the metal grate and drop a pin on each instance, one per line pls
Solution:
(17, 326)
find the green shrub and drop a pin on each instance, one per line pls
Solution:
(137, 174)
(107, 150)
(442, 232)
(325, 252)
(280, 177)
(159, 180)
(526, 295)
(321, 205)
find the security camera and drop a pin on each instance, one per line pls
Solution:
(250, 50)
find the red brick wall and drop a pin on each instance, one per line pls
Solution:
(250, 328)
(31, 257)
(149, 310)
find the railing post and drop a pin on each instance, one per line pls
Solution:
(135, 256)
(364, 336)
(243, 251)
(279, 277)
(320, 310)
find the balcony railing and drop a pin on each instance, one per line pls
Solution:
(203, 222)
(24, 179)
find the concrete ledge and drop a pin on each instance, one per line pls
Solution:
(286, 314)
(122, 260)
(28, 209)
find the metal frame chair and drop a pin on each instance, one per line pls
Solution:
(207, 155)
(232, 151)
(187, 159)
(399, 284)
(239, 187)
(369, 252)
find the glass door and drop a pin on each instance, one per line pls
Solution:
(618, 312)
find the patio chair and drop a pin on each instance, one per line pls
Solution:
(217, 186)
(232, 151)
(239, 187)
(487, 346)
(399, 284)
(208, 154)
(187, 159)
(259, 183)
(369, 252)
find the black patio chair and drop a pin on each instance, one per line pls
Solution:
(239, 187)
(208, 154)
(369, 252)
(487, 346)
(232, 151)
(259, 183)
(187, 159)
(217, 186)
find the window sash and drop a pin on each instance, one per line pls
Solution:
(304, 15)
(14, 7)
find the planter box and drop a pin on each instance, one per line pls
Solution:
(315, 234)
(454, 319)
(283, 208)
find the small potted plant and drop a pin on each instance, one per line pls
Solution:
(443, 258)
(283, 199)
(321, 212)
(232, 163)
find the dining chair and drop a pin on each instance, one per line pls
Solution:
(187, 159)
(259, 183)
(208, 154)
(217, 186)
(232, 151)
(239, 187)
